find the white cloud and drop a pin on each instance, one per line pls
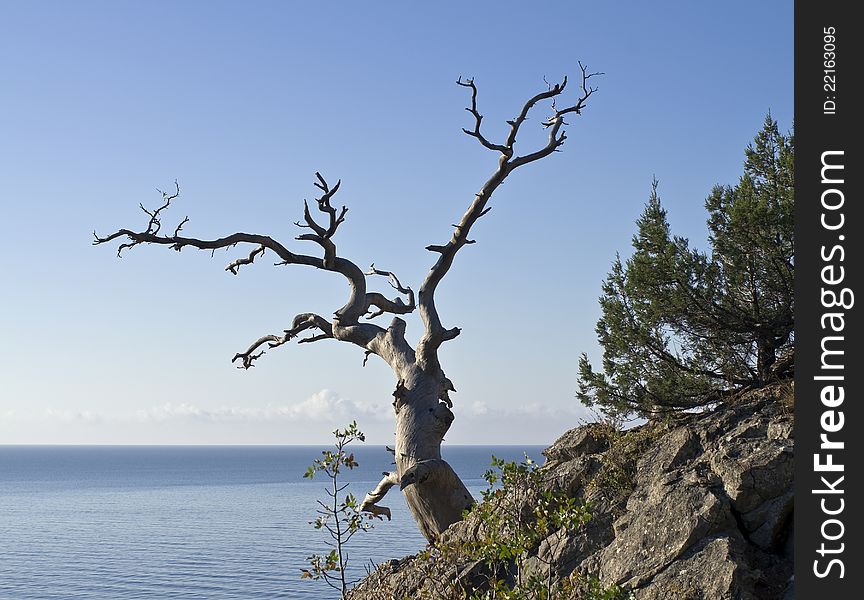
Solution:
(306, 421)
(481, 408)
(324, 405)
(85, 416)
(478, 407)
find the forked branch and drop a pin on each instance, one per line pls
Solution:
(321, 235)
(478, 118)
(435, 333)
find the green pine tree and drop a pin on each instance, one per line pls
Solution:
(681, 328)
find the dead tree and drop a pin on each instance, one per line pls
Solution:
(433, 491)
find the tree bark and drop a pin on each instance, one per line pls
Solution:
(434, 492)
(766, 356)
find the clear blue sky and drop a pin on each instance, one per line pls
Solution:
(242, 102)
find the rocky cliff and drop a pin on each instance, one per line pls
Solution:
(699, 507)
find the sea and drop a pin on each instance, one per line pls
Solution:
(190, 522)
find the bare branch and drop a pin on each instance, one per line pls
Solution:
(324, 204)
(556, 120)
(301, 323)
(322, 236)
(435, 333)
(180, 226)
(382, 303)
(315, 338)
(155, 224)
(234, 266)
(586, 93)
(348, 315)
(391, 279)
(311, 223)
(516, 123)
(469, 83)
(372, 498)
(250, 356)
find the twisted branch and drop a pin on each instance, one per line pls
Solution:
(301, 323)
(345, 325)
(384, 304)
(372, 498)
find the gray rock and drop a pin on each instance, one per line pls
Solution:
(767, 524)
(669, 452)
(699, 509)
(754, 469)
(661, 524)
(572, 476)
(716, 570)
(588, 439)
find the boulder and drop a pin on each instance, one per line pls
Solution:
(699, 508)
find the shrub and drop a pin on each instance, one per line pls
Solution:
(517, 513)
(338, 515)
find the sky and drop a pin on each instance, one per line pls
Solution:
(103, 103)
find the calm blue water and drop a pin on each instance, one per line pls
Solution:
(215, 522)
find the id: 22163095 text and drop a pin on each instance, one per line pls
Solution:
(829, 73)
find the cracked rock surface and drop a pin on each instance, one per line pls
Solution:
(695, 509)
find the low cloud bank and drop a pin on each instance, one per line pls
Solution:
(308, 421)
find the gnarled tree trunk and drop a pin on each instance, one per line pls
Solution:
(433, 490)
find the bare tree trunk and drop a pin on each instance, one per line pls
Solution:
(434, 493)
